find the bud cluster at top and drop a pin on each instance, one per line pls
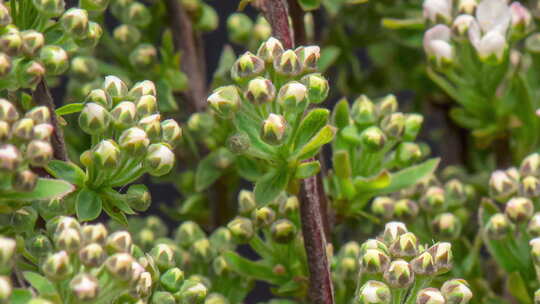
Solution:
(24, 143)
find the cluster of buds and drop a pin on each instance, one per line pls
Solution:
(24, 143)
(128, 134)
(489, 26)
(88, 264)
(392, 265)
(268, 106)
(242, 30)
(25, 58)
(443, 203)
(378, 138)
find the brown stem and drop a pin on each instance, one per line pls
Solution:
(186, 41)
(320, 283)
(297, 18)
(276, 13)
(42, 96)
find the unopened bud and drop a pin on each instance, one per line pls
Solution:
(530, 186)
(442, 256)
(120, 265)
(52, 8)
(85, 287)
(39, 246)
(162, 297)
(372, 244)
(144, 56)
(533, 228)
(317, 87)
(270, 49)
(106, 154)
(241, 229)
(152, 126)
(413, 124)
(192, 292)
(430, 296)
(225, 100)
(260, 90)
(134, 141)
(11, 41)
(399, 274)
(137, 14)
(519, 209)
(94, 118)
(124, 114)
(393, 125)
(159, 160)
(127, 35)
(146, 105)
(96, 233)
(309, 56)
(5, 17)
(202, 250)
(239, 27)
(373, 292)
(42, 131)
(139, 197)
(115, 87)
(92, 255)
(92, 36)
(75, 21)
(521, 17)
(405, 246)
(423, 264)
(7, 252)
(292, 94)
(145, 87)
(55, 59)
(405, 209)
(383, 206)
(188, 233)
(437, 11)
(24, 181)
(393, 230)
(23, 129)
(10, 158)
(283, 231)
(446, 226)
(39, 153)
(467, 6)
(374, 261)
(498, 226)
(30, 73)
(263, 216)
(85, 67)
(246, 67)
(164, 256)
(273, 129)
(530, 165)
(462, 24)
(456, 291)
(501, 185)
(6, 289)
(5, 64)
(57, 266)
(535, 250)
(32, 42)
(433, 200)
(8, 112)
(172, 279)
(288, 63)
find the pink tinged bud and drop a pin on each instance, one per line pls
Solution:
(438, 10)
(85, 287)
(437, 44)
(521, 17)
(462, 23)
(10, 158)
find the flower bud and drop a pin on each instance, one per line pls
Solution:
(437, 11)
(61, 223)
(137, 14)
(405, 209)
(55, 59)
(289, 207)
(8, 112)
(172, 279)
(11, 41)
(413, 124)
(96, 233)
(159, 160)
(123, 114)
(535, 250)
(246, 67)
(4, 131)
(120, 265)
(372, 244)
(393, 125)
(143, 287)
(317, 87)
(144, 56)
(519, 209)
(75, 22)
(116, 88)
(188, 233)
(142, 88)
(92, 255)
(24, 181)
(373, 292)
(533, 227)
(32, 42)
(39, 153)
(530, 165)
(10, 158)
(106, 154)
(373, 139)
(446, 226)
(119, 242)
(430, 296)
(30, 73)
(283, 231)
(521, 17)
(192, 292)
(171, 133)
(246, 202)
(52, 8)
(241, 229)
(537, 296)
(374, 261)
(202, 250)
(437, 44)
(146, 105)
(433, 200)
(288, 64)
(152, 126)
(386, 106)
(309, 56)
(5, 64)
(399, 274)
(163, 256)
(215, 298)
(239, 27)
(264, 216)
(39, 246)
(57, 266)
(423, 264)
(291, 94)
(6, 289)
(501, 185)
(442, 256)
(270, 49)
(462, 24)
(68, 240)
(139, 197)
(383, 206)
(92, 36)
(456, 291)
(5, 17)
(260, 90)
(126, 35)
(134, 141)
(94, 118)
(162, 297)
(225, 101)
(273, 129)
(7, 252)
(405, 246)
(498, 226)
(393, 230)
(85, 67)
(23, 129)
(39, 115)
(529, 186)
(84, 286)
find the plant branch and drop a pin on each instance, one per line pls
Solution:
(320, 282)
(277, 14)
(186, 41)
(42, 96)
(297, 18)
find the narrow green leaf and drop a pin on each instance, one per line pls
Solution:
(342, 164)
(248, 168)
(67, 171)
(517, 288)
(269, 187)
(208, 170)
(46, 189)
(88, 205)
(373, 184)
(20, 296)
(410, 176)
(329, 56)
(341, 115)
(324, 136)
(307, 169)
(44, 287)
(314, 121)
(69, 109)
(251, 269)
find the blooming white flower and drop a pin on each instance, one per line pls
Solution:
(488, 32)
(491, 43)
(462, 23)
(438, 9)
(437, 43)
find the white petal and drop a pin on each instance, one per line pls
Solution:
(434, 8)
(493, 15)
(462, 23)
(492, 43)
(438, 32)
(442, 50)
(520, 14)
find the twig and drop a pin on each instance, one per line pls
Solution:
(320, 283)
(276, 13)
(297, 18)
(186, 41)
(42, 96)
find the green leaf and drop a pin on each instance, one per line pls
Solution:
(373, 184)
(248, 168)
(20, 296)
(517, 288)
(251, 269)
(167, 103)
(307, 169)
(69, 109)
(310, 149)
(270, 185)
(223, 70)
(314, 121)
(341, 115)
(67, 171)
(44, 287)
(329, 56)
(118, 216)
(46, 189)
(410, 176)
(208, 170)
(342, 163)
(88, 205)
(309, 5)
